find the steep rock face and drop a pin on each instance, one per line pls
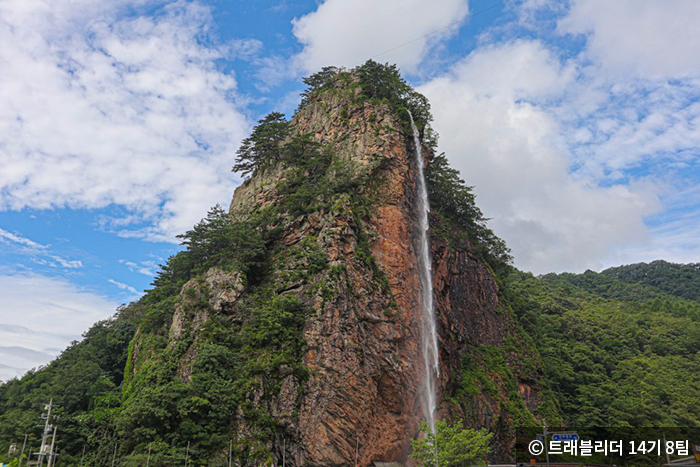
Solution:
(364, 347)
(491, 371)
(346, 255)
(361, 400)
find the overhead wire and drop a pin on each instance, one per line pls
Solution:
(468, 16)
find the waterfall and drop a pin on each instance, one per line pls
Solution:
(428, 331)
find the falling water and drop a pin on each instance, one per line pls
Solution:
(429, 332)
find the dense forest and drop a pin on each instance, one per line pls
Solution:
(617, 348)
(616, 352)
(679, 280)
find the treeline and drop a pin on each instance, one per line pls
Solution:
(680, 280)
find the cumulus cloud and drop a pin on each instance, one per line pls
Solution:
(40, 316)
(494, 114)
(645, 37)
(348, 32)
(102, 106)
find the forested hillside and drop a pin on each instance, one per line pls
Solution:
(616, 352)
(85, 380)
(680, 280)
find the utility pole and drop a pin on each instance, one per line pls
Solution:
(21, 456)
(48, 426)
(53, 444)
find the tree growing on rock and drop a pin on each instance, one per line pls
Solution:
(263, 147)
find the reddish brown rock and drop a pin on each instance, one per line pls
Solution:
(362, 400)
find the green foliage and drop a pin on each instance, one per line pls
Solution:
(487, 374)
(215, 241)
(613, 362)
(85, 374)
(383, 82)
(301, 262)
(142, 400)
(454, 199)
(229, 366)
(262, 148)
(136, 384)
(680, 280)
(452, 445)
(315, 82)
(17, 461)
(380, 84)
(238, 362)
(218, 241)
(306, 188)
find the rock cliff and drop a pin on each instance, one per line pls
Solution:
(346, 387)
(363, 342)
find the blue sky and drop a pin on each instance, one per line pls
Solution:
(578, 123)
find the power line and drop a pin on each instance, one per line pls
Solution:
(439, 30)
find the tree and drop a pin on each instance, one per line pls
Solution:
(384, 82)
(451, 446)
(452, 197)
(263, 146)
(316, 82)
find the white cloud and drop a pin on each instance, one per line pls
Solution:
(40, 316)
(674, 233)
(650, 38)
(348, 32)
(494, 112)
(643, 123)
(20, 240)
(147, 268)
(635, 103)
(677, 241)
(71, 264)
(99, 108)
(572, 157)
(38, 252)
(123, 286)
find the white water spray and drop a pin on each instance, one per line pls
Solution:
(429, 331)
